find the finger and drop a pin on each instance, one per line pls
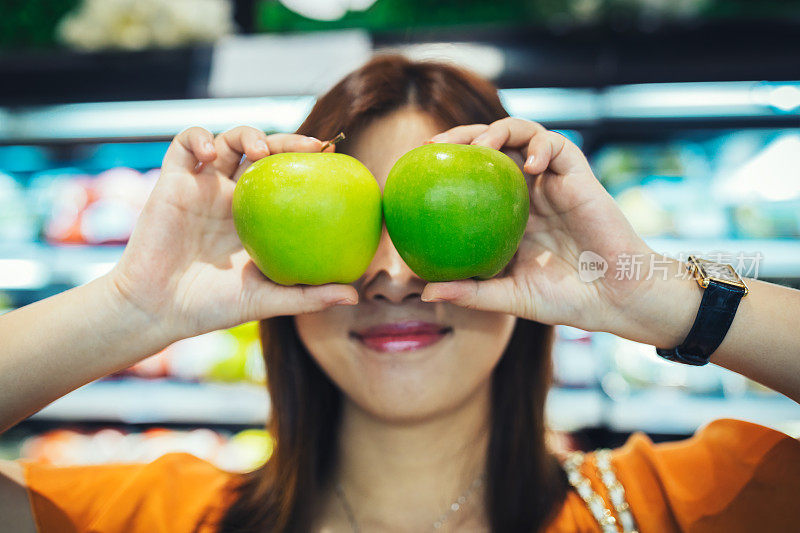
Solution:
(496, 294)
(244, 165)
(550, 150)
(291, 142)
(545, 148)
(510, 132)
(236, 142)
(460, 134)
(189, 148)
(277, 300)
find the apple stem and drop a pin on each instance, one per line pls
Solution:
(333, 141)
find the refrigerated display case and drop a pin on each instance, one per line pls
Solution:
(697, 167)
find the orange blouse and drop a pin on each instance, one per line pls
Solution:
(730, 476)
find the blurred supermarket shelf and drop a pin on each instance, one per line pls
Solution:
(161, 401)
(32, 266)
(675, 412)
(665, 411)
(150, 119)
(701, 100)
(141, 401)
(165, 118)
(137, 401)
(555, 107)
(514, 52)
(572, 409)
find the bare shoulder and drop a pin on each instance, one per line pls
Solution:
(14, 506)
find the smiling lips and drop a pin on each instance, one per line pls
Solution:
(402, 336)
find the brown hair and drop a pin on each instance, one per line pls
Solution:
(525, 483)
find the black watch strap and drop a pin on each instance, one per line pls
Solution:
(714, 318)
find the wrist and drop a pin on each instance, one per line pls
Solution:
(152, 328)
(663, 310)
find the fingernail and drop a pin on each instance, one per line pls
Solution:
(345, 301)
(261, 145)
(315, 139)
(529, 161)
(208, 147)
(431, 300)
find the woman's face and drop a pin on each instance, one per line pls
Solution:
(395, 356)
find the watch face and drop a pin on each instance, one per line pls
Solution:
(720, 271)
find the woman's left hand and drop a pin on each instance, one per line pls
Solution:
(571, 214)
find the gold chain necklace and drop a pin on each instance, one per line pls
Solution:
(454, 507)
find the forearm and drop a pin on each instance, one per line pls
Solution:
(58, 344)
(763, 342)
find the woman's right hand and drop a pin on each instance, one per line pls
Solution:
(184, 265)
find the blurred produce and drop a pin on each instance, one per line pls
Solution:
(714, 185)
(633, 367)
(231, 355)
(382, 15)
(83, 209)
(5, 303)
(238, 452)
(583, 359)
(766, 220)
(133, 24)
(94, 199)
(139, 24)
(246, 450)
(762, 191)
(17, 223)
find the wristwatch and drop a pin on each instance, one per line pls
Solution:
(723, 289)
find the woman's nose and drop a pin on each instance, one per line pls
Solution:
(388, 277)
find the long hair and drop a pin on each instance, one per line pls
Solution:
(525, 483)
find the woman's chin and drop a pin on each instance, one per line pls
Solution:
(411, 386)
(398, 406)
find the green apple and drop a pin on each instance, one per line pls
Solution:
(309, 218)
(455, 211)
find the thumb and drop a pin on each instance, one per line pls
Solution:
(277, 300)
(496, 294)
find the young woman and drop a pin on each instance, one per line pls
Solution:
(442, 431)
